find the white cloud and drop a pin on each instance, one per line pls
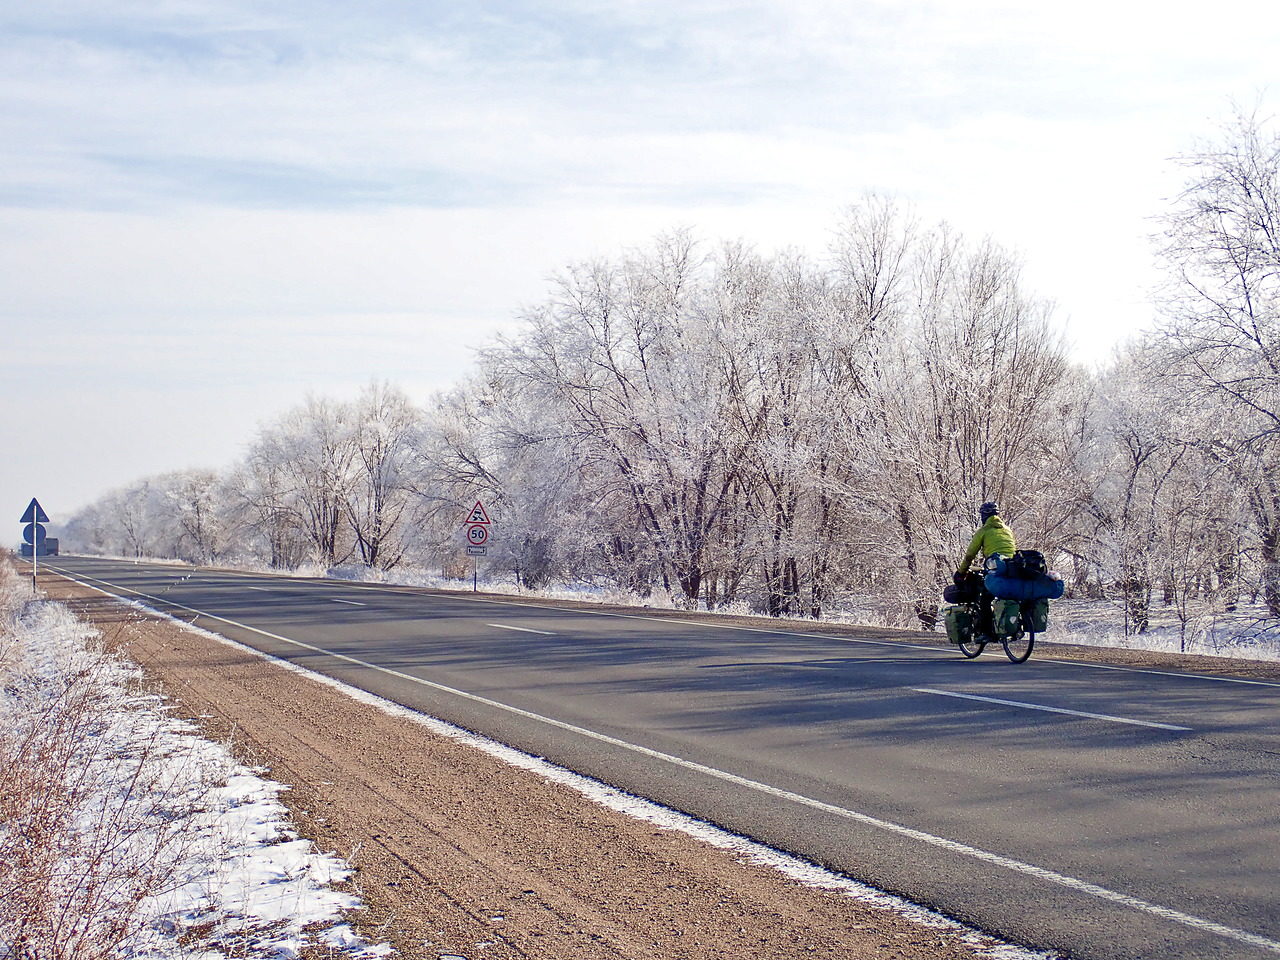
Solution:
(309, 194)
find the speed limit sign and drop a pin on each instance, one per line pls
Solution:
(477, 534)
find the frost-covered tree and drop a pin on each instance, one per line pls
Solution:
(1131, 460)
(708, 423)
(968, 397)
(1221, 328)
(197, 500)
(377, 495)
(259, 503)
(177, 515)
(744, 425)
(626, 354)
(137, 516)
(312, 448)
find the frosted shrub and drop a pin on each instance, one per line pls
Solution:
(89, 793)
(123, 833)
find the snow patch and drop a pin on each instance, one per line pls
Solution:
(166, 829)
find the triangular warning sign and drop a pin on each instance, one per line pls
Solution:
(35, 513)
(477, 514)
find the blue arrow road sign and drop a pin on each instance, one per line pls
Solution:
(34, 513)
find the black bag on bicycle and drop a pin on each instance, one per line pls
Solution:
(1025, 565)
(966, 589)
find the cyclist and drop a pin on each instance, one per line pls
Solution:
(993, 538)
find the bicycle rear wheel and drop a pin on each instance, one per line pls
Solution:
(1018, 647)
(972, 647)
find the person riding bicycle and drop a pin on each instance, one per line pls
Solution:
(993, 538)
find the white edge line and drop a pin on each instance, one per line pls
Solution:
(955, 846)
(1160, 673)
(639, 808)
(503, 626)
(1042, 707)
(354, 603)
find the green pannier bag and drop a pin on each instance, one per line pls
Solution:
(959, 623)
(1007, 617)
(1037, 615)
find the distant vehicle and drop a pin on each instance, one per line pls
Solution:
(48, 547)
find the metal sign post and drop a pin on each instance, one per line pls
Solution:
(477, 524)
(34, 533)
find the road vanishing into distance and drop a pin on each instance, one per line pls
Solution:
(1099, 811)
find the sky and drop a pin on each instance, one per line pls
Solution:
(210, 209)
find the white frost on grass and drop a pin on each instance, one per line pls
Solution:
(263, 889)
(149, 841)
(639, 808)
(1246, 634)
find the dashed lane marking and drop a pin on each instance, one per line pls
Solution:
(503, 626)
(1038, 706)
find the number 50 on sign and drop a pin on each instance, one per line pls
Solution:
(477, 535)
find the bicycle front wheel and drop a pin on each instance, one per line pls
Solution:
(972, 647)
(1018, 647)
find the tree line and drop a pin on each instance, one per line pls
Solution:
(803, 433)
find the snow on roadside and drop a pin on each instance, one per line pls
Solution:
(125, 834)
(1247, 634)
(747, 850)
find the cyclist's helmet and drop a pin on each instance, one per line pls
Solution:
(988, 510)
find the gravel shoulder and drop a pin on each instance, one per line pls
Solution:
(457, 853)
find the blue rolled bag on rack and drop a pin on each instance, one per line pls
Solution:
(1022, 577)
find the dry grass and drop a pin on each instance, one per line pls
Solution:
(90, 824)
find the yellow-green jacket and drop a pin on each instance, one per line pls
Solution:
(992, 537)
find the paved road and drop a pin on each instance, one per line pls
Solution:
(1102, 813)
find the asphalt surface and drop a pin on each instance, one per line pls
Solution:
(1098, 813)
